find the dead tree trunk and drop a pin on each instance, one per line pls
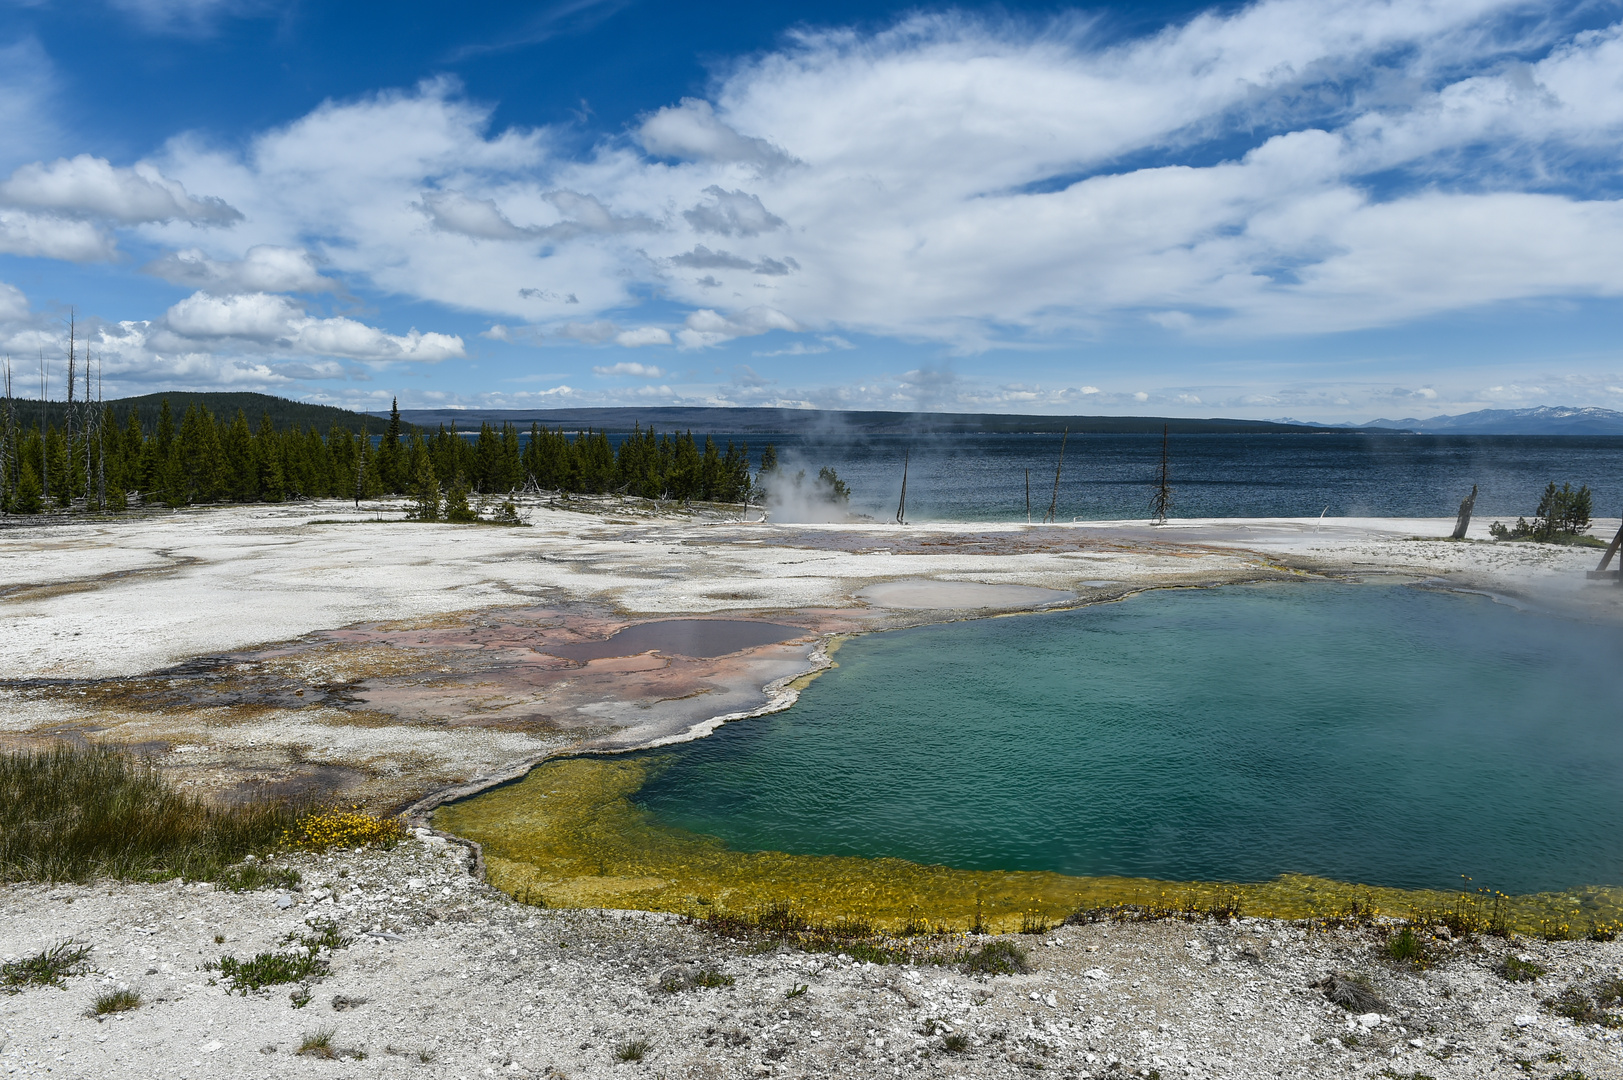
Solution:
(1053, 503)
(1464, 521)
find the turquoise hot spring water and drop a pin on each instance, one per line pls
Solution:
(1384, 734)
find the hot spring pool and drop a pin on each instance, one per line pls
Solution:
(1387, 735)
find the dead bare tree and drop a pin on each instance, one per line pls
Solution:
(101, 443)
(1162, 501)
(1053, 503)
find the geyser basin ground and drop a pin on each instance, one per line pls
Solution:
(1390, 736)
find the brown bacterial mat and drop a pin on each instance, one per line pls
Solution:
(700, 638)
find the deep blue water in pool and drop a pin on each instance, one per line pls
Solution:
(1381, 734)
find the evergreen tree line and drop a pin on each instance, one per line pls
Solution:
(204, 458)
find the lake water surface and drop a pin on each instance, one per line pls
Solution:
(1380, 734)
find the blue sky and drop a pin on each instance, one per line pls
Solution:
(1327, 209)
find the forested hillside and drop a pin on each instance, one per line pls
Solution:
(198, 456)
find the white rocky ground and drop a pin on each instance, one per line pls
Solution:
(448, 979)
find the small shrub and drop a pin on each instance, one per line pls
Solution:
(1515, 969)
(1406, 947)
(1604, 931)
(354, 827)
(635, 1050)
(1033, 924)
(711, 977)
(997, 958)
(116, 1001)
(318, 1044)
(956, 1043)
(47, 968)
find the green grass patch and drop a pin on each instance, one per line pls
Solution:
(50, 967)
(116, 1001)
(1515, 969)
(82, 813)
(258, 875)
(998, 958)
(300, 959)
(318, 1044)
(635, 1050)
(1407, 947)
(1595, 1003)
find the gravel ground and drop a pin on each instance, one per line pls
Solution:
(448, 978)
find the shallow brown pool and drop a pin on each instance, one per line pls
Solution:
(703, 638)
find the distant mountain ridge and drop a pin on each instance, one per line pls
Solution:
(1544, 420)
(703, 420)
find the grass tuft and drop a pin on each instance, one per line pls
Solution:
(116, 1001)
(301, 960)
(635, 1050)
(1352, 992)
(47, 968)
(318, 1044)
(249, 876)
(80, 813)
(1406, 947)
(956, 1043)
(997, 958)
(1515, 969)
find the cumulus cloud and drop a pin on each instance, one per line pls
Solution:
(264, 268)
(692, 131)
(731, 213)
(702, 258)
(706, 327)
(93, 187)
(277, 322)
(51, 237)
(584, 215)
(1289, 166)
(641, 371)
(643, 335)
(13, 304)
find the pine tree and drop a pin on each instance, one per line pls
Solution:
(390, 472)
(268, 460)
(426, 488)
(25, 498)
(456, 503)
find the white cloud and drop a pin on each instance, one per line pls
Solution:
(51, 237)
(642, 335)
(960, 181)
(278, 323)
(263, 268)
(641, 371)
(706, 327)
(94, 187)
(13, 304)
(692, 131)
(731, 213)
